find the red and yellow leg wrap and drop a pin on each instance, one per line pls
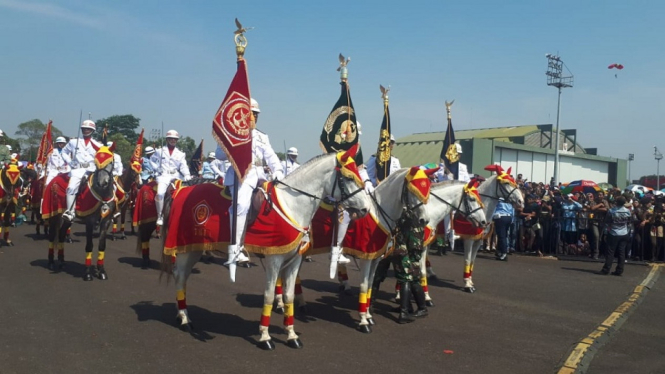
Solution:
(288, 314)
(88, 259)
(362, 302)
(61, 250)
(423, 284)
(50, 251)
(369, 297)
(6, 234)
(397, 286)
(342, 275)
(145, 248)
(122, 228)
(265, 315)
(100, 258)
(13, 218)
(115, 228)
(298, 286)
(278, 286)
(467, 271)
(180, 297)
(69, 231)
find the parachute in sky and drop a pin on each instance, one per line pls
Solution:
(615, 66)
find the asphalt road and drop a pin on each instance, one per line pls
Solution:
(525, 317)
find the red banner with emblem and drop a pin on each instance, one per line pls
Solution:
(233, 123)
(45, 145)
(135, 160)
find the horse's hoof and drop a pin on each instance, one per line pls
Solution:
(267, 345)
(112, 238)
(429, 303)
(51, 266)
(365, 329)
(279, 309)
(61, 265)
(87, 277)
(10, 243)
(469, 289)
(371, 321)
(187, 327)
(102, 275)
(432, 277)
(69, 240)
(244, 264)
(123, 237)
(145, 264)
(294, 343)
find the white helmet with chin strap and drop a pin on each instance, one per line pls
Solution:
(149, 150)
(293, 151)
(88, 124)
(211, 155)
(172, 134)
(60, 139)
(254, 105)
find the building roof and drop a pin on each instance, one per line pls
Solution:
(504, 134)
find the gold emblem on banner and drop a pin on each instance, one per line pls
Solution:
(384, 147)
(451, 153)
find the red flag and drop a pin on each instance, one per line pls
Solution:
(135, 160)
(45, 145)
(234, 121)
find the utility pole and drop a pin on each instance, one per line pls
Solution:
(631, 157)
(556, 79)
(658, 156)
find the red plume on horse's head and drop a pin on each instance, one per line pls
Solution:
(350, 153)
(495, 168)
(430, 172)
(510, 170)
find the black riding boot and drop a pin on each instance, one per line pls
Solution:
(419, 296)
(405, 303)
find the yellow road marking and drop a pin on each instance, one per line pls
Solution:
(586, 345)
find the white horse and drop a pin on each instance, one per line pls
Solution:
(499, 186)
(299, 195)
(386, 209)
(447, 197)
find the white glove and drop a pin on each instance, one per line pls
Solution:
(187, 177)
(369, 188)
(278, 175)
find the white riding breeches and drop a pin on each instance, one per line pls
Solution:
(163, 182)
(75, 177)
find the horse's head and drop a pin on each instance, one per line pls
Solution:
(11, 177)
(102, 178)
(347, 187)
(471, 206)
(135, 170)
(416, 193)
(506, 187)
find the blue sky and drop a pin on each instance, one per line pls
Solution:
(172, 61)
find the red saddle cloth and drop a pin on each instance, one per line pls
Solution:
(465, 229)
(54, 199)
(364, 238)
(36, 189)
(271, 233)
(145, 210)
(198, 219)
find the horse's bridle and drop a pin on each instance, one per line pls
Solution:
(505, 195)
(110, 173)
(337, 184)
(467, 206)
(404, 199)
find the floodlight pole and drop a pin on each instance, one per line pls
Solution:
(555, 78)
(658, 156)
(631, 157)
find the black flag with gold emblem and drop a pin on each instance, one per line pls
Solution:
(449, 155)
(340, 131)
(383, 155)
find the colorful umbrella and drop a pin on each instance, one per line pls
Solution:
(583, 186)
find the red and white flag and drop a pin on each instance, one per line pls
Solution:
(234, 121)
(45, 146)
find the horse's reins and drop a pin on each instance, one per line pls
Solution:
(506, 195)
(467, 205)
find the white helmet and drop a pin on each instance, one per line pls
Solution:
(9, 147)
(109, 144)
(211, 155)
(292, 151)
(392, 138)
(60, 139)
(458, 147)
(172, 134)
(254, 105)
(88, 124)
(149, 150)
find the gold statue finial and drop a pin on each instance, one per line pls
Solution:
(344, 73)
(241, 41)
(384, 93)
(448, 105)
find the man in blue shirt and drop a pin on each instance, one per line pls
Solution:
(146, 167)
(617, 221)
(503, 217)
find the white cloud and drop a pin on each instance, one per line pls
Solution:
(53, 11)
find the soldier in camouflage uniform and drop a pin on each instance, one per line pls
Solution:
(406, 261)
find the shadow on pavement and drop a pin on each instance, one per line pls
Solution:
(35, 236)
(74, 269)
(204, 321)
(581, 270)
(136, 262)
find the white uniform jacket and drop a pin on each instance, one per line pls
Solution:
(219, 167)
(173, 164)
(58, 162)
(84, 156)
(261, 151)
(462, 173)
(289, 166)
(117, 165)
(370, 165)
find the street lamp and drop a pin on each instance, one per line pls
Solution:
(658, 156)
(631, 157)
(555, 78)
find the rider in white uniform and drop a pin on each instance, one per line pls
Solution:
(82, 153)
(218, 167)
(291, 163)
(371, 163)
(169, 164)
(117, 162)
(463, 175)
(261, 151)
(58, 161)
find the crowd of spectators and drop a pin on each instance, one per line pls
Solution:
(554, 223)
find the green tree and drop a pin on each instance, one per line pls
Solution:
(125, 124)
(122, 147)
(281, 156)
(30, 135)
